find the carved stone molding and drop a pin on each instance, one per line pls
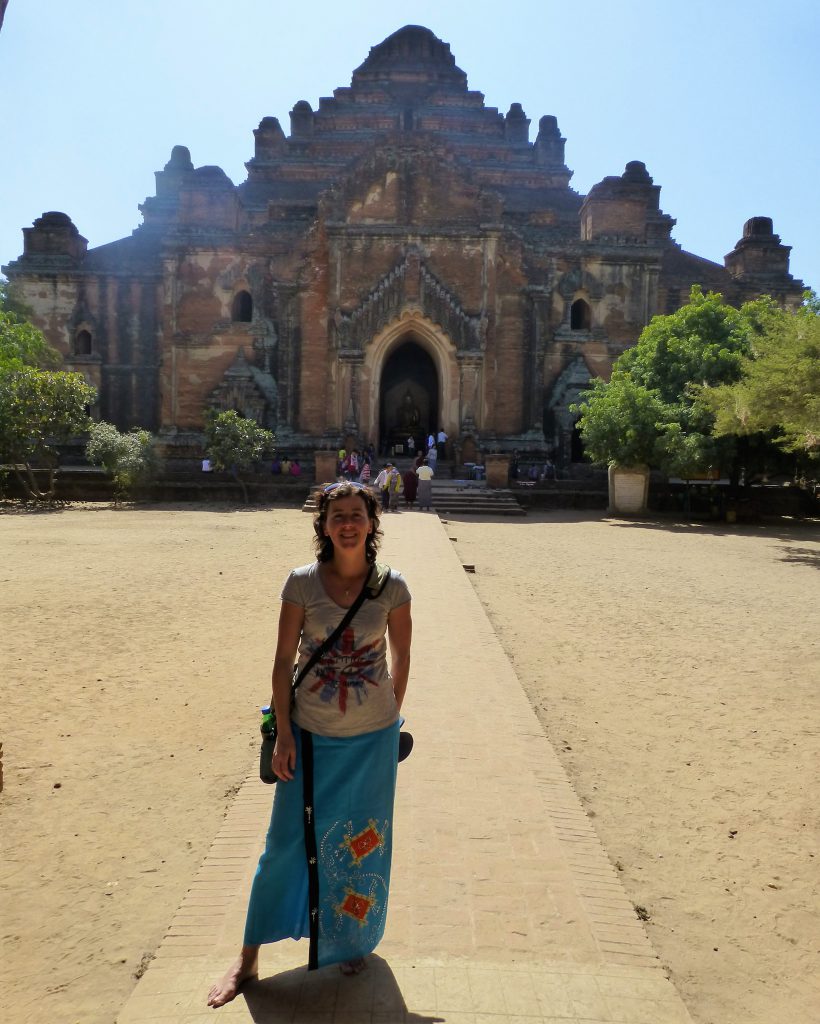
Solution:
(409, 284)
(576, 280)
(248, 390)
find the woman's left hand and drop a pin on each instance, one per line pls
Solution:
(284, 756)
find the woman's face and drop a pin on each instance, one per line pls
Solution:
(347, 523)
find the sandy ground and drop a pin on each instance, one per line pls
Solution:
(133, 644)
(675, 670)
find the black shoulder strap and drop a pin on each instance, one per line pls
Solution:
(375, 583)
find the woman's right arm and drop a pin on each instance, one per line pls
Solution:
(291, 619)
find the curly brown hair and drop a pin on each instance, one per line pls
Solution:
(345, 489)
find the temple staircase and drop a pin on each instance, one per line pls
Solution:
(473, 498)
(455, 497)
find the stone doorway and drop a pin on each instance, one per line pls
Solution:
(408, 396)
(560, 424)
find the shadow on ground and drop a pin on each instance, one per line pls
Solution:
(802, 556)
(774, 527)
(297, 995)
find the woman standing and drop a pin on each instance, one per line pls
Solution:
(336, 751)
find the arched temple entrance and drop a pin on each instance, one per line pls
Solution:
(560, 424)
(408, 395)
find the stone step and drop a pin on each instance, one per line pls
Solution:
(477, 504)
(451, 498)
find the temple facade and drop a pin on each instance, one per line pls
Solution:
(405, 259)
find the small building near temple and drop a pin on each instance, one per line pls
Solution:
(404, 260)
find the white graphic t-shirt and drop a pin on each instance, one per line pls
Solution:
(349, 690)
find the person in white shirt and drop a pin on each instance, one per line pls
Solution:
(393, 488)
(382, 485)
(425, 494)
(441, 441)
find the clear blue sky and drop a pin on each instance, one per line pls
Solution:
(719, 98)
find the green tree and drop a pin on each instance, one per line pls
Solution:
(621, 421)
(128, 458)
(235, 444)
(39, 410)
(651, 410)
(21, 344)
(779, 388)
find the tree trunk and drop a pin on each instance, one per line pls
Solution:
(241, 482)
(28, 482)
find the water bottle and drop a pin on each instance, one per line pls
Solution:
(268, 720)
(266, 727)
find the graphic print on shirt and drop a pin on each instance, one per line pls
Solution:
(346, 670)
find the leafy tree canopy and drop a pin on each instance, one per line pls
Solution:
(235, 444)
(128, 458)
(38, 408)
(232, 441)
(620, 421)
(779, 387)
(703, 342)
(650, 411)
(21, 344)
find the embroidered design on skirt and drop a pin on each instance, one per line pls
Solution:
(348, 809)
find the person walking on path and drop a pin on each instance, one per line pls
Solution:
(336, 750)
(425, 476)
(394, 487)
(382, 486)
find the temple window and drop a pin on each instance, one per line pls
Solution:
(82, 343)
(242, 308)
(580, 316)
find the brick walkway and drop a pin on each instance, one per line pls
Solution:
(504, 908)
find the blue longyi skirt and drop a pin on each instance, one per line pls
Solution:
(343, 823)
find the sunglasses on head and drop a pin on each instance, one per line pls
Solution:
(344, 483)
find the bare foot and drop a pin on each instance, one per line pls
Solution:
(351, 967)
(243, 968)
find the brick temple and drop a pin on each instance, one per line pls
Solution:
(406, 258)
